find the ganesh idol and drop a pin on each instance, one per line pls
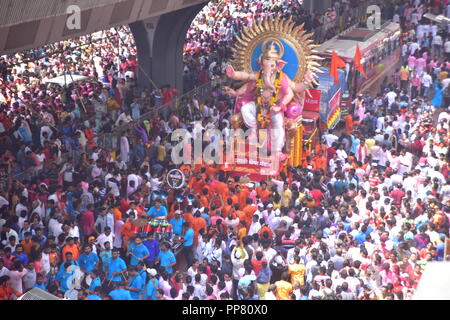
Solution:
(273, 94)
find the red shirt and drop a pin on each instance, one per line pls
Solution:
(374, 181)
(168, 95)
(317, 195)
(257, 265)
(87, 222)
(397, 195)
(330, 153)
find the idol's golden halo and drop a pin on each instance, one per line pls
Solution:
(270, 32)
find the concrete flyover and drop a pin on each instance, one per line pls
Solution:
(159, 27)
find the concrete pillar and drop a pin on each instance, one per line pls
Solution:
(160, 43)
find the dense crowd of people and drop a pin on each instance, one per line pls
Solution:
(360, 219)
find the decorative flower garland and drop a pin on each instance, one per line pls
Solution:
(264, 118)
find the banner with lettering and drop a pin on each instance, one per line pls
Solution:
(312, 103)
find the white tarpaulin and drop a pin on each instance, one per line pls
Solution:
(434, 283)
(66, 80)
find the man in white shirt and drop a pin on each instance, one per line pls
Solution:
(55, 226)
(413, 47)
(46, 134)
(341, 154)
(106, 236)
(329, 138)
(124, 118)
(255, 226)
(375, 151)
(273, 217)
(124, 147)
(391, 96)
(447, 48)
(426, 83)
(437, 44)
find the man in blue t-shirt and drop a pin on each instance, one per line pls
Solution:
(340, 185)
(188, 244)
(177, 223)
(135, 284)
(69, 259)
(121, 293)
(166, 258)
(40, 282)
(152, 285)
(62, 278)
(137, 251)
(96, 281)
(88, 260)
(157, 210)
(116, 267)
(95, 295)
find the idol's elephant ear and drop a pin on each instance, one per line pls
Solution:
(280, 65)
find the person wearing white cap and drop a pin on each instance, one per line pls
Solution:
(152, 285)
(177, 223)
(238, 256)
(252, 195)
(273, 217)
(260, 211)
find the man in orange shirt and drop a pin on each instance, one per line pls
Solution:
(308, 162)
(404, 77)
(6, 290)
(211, 168)
(204, 198)
(227, 208)
(249, 210)
(221, 188)
(233, 196)
(348, 124)
(72, 248)
(241, 214)
(198, 223)
(319, 147)
(320, 162)
(117, 213)
(262, 191)
(242, 194)
(196, 184)
(187, 216)
(127, 230)
(27, 243)
(265, 230)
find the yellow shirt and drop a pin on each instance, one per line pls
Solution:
(112, 105)
(284, 290)
(369, 143)
(286, 197)
(242, 233)
(161, 153)
(276, 205)
(297, 272)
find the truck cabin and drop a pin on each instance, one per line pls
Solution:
(310, 122)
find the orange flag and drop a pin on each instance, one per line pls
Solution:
(336, 62)
(357, 60)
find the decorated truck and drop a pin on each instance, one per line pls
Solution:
(322, 109)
